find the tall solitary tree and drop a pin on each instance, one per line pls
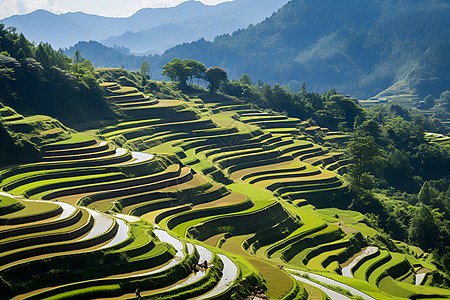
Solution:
(145, 69)
(245, 79)
(363, 150)
(77, 58)
(215, 76)
(445, 96)
(429, 101)
(423, 231)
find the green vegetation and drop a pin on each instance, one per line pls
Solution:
(38, 79)
(268, 189)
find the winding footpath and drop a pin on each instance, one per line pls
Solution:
(229, 274)
(330, 281)
(330, 293)
(347, 271)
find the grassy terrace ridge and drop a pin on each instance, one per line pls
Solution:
(225, 175)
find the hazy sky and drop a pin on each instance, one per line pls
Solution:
(115, 8)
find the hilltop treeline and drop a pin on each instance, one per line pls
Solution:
(41, 80)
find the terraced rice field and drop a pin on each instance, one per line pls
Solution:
(109, 217)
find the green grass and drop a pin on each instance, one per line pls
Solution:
(182, 228)
(363, 271)
(47, 232)
(254, 193)
(317, 261)
(88, 292)
(32, 209)
(71, 181)
(396, 259)
(6, 201)
(75, 139)
(310, 222)
(294, 253)
(361, 285)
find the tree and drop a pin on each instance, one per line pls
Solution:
(423, 231)
(303, 88)
(195, 69)
(22, 43)
(363, 150)
(358, 122)
(145, 70)
(429, 101)
(215, 76)
(176, 70)
(77, 58)
(245, 79)
(42, 55)
(426, 193)
(445, 97)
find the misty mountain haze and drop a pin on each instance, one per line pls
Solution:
(149, 29)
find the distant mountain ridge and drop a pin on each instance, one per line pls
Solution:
(198, 19)
(357, 46)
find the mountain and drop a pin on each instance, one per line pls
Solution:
(204, 22)
(357, 46)
(186, 22)
(111, 57)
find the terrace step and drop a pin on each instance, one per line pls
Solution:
(249, 221)
(109, 151)
(54, 231)
(128, 187)
(136, 103)
(145, 274)
(121, 156)
(328, 256)
(41, 189)
(67, 145)
(232, 203)
(68, 216)
(370, 265)
(50, 245)
(396, 267)
(295, 251)
(100, 146)
(305, 181)
(32, 212)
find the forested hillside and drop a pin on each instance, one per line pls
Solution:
(358, 47)
(149, 30)
(40, 80)
(37, 80)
